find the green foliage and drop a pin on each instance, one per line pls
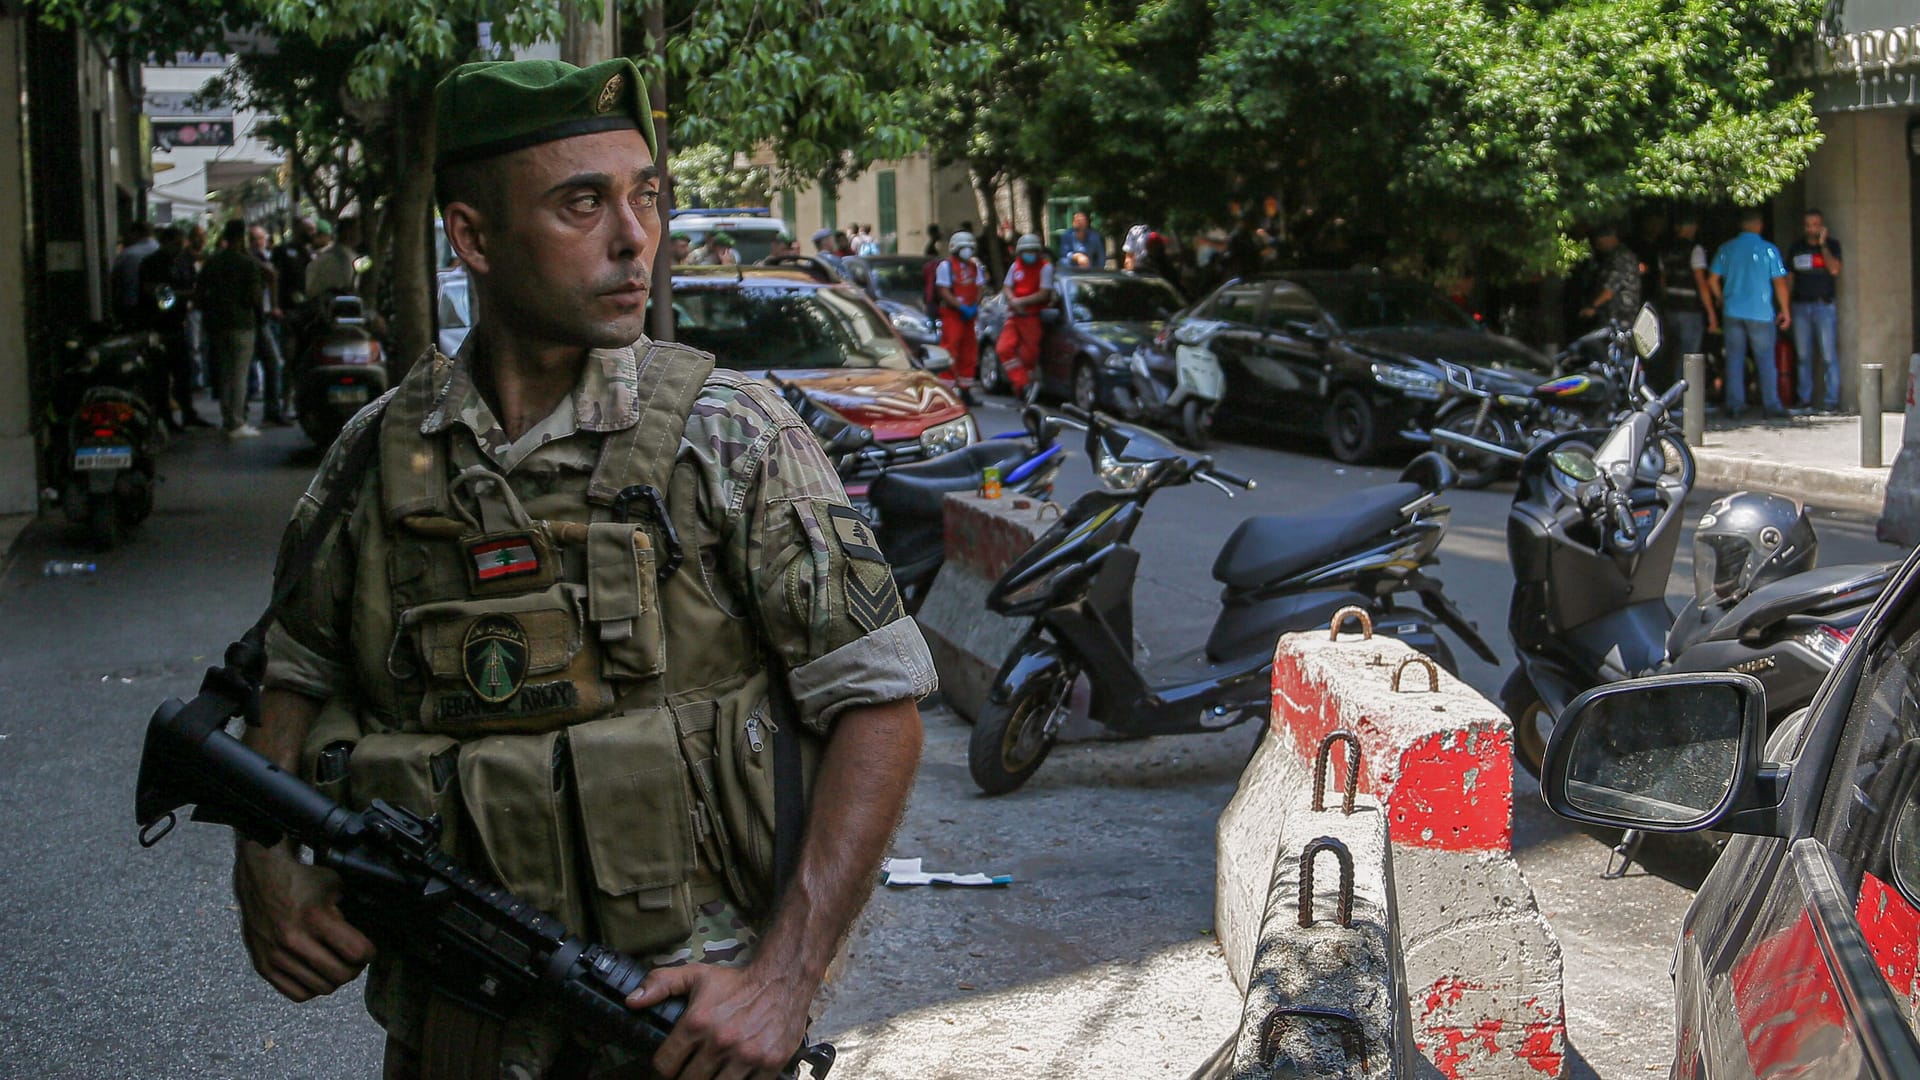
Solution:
(706, 172)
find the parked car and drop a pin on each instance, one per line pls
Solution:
(754, 229)
(886, 281)
(828, 339)
(1797, 957)
(1353, 355)
(899, 278)
(1097, 320)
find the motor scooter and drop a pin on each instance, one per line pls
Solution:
(1592, 535)
(1186, 395)
(340, 369)
(105, 438)
(1281, 572)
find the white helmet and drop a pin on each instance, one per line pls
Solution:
(1029, 242)
(960, 244)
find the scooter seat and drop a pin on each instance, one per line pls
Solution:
(918, 490)
(1272, 547)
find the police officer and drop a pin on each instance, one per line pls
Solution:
(603, 608)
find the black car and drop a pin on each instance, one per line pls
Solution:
(1097, 320)
(1798, 955)
(1355, 355)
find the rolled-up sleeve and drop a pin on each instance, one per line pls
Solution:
(824, 594)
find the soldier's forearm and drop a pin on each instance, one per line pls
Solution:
(861, 793)
(285, 718)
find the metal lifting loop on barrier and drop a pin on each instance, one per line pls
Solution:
(1350, 612)
(1320, 770)
(1433, 673)
(1353, 1037)
(1345, 911)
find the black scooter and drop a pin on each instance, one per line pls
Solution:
(341, 368)
(1282, 573)
(105, 438)
(1591, 536)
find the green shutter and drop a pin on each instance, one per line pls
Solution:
(829, 210)
(889, 214)
(790, 210)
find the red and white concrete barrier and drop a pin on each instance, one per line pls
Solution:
(1483, 968)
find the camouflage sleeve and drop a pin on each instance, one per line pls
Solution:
(308, 649)
(823, 592)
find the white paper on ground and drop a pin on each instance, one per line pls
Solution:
(903, 872)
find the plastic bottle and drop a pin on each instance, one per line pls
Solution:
(64, 568)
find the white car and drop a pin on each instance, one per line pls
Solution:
(753, 229)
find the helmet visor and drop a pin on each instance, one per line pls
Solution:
(1719, 564)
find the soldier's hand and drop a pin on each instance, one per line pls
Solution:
(740, 1023)
(289, 918)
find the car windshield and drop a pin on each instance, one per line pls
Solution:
(900, 281)
(755, 328)
(1367, 303)
(751, 243)
(1124, 299)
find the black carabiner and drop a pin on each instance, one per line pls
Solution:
(621, 513)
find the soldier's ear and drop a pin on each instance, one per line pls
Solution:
(466, 226)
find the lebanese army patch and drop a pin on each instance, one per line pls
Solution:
(494, 657)
(506, 557)
(854, 533)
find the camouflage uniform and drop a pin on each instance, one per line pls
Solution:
(775, 543)
(1620, 272)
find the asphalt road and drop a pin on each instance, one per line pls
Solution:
(120, 962)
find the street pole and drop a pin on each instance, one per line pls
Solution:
(1870, 415)
(662, 291)
(1694, 417)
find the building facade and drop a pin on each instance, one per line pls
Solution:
(200, 149)
(898, 198)
(1865, 179)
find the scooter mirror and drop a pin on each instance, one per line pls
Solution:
(1646, 332)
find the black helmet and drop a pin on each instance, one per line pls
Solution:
(1746, 540)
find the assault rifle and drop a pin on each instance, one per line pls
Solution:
(487, 948)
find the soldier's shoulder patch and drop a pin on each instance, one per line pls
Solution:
(854, 532)
(872, 598)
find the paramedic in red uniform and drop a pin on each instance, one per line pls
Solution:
(1029, 289)
(956, 282)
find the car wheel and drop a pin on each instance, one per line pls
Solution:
(1352, 429)
(992, 379)
(1086, 385)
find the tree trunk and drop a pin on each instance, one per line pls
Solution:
(661, 315)
(410, 209)
(987, 199)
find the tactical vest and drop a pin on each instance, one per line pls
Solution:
(567, 683)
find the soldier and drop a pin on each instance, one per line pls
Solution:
(605, 609)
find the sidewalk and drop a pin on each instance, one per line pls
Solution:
(1815, 459)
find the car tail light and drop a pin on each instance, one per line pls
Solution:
(1828, 642)
(1165, 335)
(106, 413)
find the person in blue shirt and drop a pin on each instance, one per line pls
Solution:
(1082, 246)
(1749, 281)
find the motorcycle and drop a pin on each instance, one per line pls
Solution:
(905, 491)
(1592, 535)
(1186, 395)
(340, 369)
(106, 437)
(1282, 573)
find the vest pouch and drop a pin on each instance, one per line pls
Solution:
(411, 770)
(638, 826)
(517, 791)
(623, 600)
(743, 795)
(519, 664)
(327, 753)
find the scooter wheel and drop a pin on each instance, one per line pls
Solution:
(1196, 424)
(1010, 738)
(104, 525)
(1532, 722)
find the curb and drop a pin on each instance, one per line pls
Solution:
(1862, 491)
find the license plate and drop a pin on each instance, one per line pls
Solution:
(346, 395)
(88, 458)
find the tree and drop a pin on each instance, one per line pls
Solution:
(706, 172)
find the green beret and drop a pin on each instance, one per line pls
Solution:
(720, 239)
(680, 235)
(499, 106)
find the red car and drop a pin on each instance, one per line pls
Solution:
(826, 338)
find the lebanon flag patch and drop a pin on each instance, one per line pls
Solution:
(505, 558)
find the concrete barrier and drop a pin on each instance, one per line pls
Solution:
(1900, 509)
(1483, 968)
(968, 642)
(1312, 944)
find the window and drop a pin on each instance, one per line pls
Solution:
(889, 213)
(759, 328)
(1237, 303)
(1290, 304)
(790, 211)
(1123, 299)
(829, 210)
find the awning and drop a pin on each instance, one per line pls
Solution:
(222, 175)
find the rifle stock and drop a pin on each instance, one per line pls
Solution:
(487, 948)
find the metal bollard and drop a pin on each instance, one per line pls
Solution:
(1694, 417)
(1870, 421)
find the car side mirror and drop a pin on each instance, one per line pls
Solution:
(1671, 753)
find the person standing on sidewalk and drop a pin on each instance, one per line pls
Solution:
(171, 269)
(230, 285)
(1618, 269)
(1685, 297)
(1029, 287)
(956, 285)
(266, 344)
(1749, 282)
(1815, 259)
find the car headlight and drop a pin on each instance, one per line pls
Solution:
(914, 324)
(1414, 384)
(950, 436)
